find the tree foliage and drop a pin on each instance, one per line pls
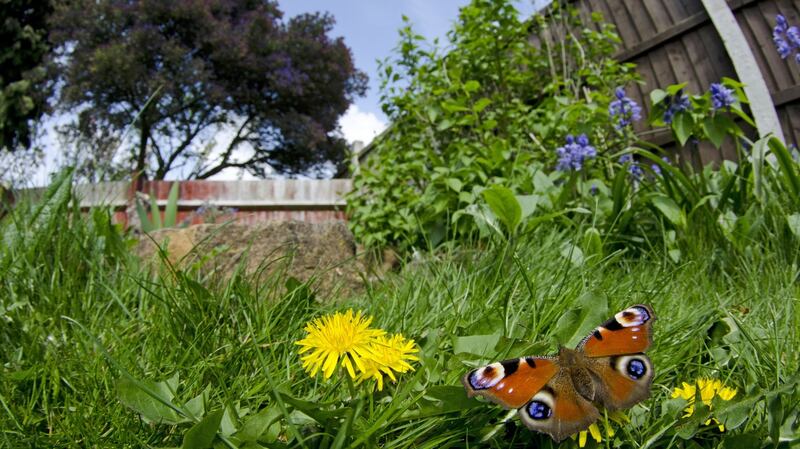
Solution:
(22, 97)
(207, 85)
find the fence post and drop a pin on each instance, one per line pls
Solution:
(746, 67)
(356, 147)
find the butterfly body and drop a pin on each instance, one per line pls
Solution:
(557, 395)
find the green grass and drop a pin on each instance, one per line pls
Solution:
(83, 322)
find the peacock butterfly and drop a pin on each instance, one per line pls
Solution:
(557, 394)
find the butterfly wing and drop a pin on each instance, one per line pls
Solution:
(510, 383)
(622, 380)
(558, 410)
(614, 354)
(627, 332)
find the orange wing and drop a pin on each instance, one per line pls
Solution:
(626, 379)
(558, 410)
(510, 383)
(628, 332)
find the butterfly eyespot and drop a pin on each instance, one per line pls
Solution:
(539, 410)
(636, 369)
(486, 377)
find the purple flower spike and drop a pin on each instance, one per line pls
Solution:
(782, 24)
(624, 109)
(634, 170)
(575, 153)
(786, 38)
(721, 96)
(679, 102)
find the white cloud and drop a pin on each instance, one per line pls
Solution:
(360, 125)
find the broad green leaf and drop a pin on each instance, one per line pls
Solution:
(452, 106)
(314, 410)
(481, 104)
(592, 243)
(579, 320)
(171, 210)
(444, 125)
(688, 427)
(787, 164)
(657, 96)
(454, 183)
(742, 441)
(149, 399)
(197, 405)
(794, 224)
(154, 211)
(505, 206)
(675, 88)
(481, 345)
(542, 183)
(735, 414)
(714, 132)
(527, 204)
(669, 209)
(202, 434)
(573, 252)
(682, 124)
(264, 425)
(452, 397)
(147, 224)
(472, 86)
(774, 415)
(433, 113)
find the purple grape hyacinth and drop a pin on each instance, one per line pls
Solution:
(624, 109)
(575, 153)
(721, 96)
(786, 38)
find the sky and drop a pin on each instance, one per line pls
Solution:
(370, 29)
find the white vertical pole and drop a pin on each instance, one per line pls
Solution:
(746, 67)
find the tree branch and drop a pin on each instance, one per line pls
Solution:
(237, 139)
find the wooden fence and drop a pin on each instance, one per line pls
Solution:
(246, 201)
(677, 41)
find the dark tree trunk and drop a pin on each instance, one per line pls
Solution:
(139, 173)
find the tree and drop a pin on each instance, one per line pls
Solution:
(23, 31)
(188, 75)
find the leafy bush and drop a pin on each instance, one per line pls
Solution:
(484, 146)
(485, 112)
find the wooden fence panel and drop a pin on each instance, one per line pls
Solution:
(674, 41)
(245, 201)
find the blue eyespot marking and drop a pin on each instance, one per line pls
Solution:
(539, 410)
(636, 369)
(645, 317)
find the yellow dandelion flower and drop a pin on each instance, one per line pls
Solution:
(388, 355)
(341, 336)
(709, 388)
(594, 429)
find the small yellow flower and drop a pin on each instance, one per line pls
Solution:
(346, 336)
(709, 388)
(594, 429)
(388, 354)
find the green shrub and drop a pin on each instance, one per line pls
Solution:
(485, 112)
(497, 136)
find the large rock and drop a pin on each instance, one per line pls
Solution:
(324, 250)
